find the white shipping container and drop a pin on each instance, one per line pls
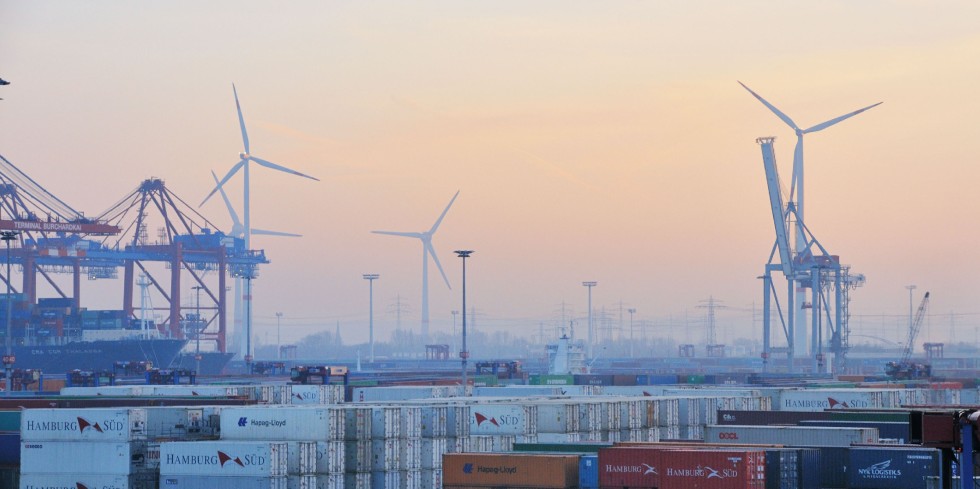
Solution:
(434, 421)
(386, 480)
(820, 399)
(410, 454)
(430, 479)
(221, 482)
(224, 458)
(432, 451)
(194, 391)
(358, 422)
(560, 416)
(398, 393)
(316, 482)
(501, 419)
(94, 424)
(301, 457)
(330, 457)
(411, 422)
(315, 394)
(182, 422)
(386, 422)
(91, 481)
(82, 457)
(283, 423)
(357, 456)
(356, 480)
(519, 391)
(790, 435)
(108, 391)
(385, 455)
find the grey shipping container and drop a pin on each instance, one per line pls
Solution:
(790, 435)
(218, 482)
(92, 481)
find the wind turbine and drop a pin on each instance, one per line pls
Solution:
(238, 231)
(797, 183)
(243, 163)
(427, 249)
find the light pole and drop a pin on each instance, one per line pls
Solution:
(911, 288)
(454, 313)
(463, 354)
(632, 311)
(591, 337)
(371, 277)
(197, 330)
(8, 359)
(278, 337)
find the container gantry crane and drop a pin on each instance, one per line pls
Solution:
(812, 268)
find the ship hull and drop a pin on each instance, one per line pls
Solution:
(97, 355)
(212, 362)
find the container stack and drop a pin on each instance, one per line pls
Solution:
(357, 447)
(314, 438)
(85, 448)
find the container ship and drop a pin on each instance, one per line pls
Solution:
(54, 337)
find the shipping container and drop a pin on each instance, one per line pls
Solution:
(540, 379)
(224, 458)
(764, 418)
(502, 419)
(588, 472)
(82, 457)
(810, 467)
(283, 423)
(218, 482)
(789, 435)
(648, 467)
(107, 425)
(509, 470)
(899, 432)
(9, 448)
(90, 481)
(820, 399)
(892, 468)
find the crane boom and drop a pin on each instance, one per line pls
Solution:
(914, 328)
(776, 204)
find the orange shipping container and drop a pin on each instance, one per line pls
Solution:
(509, 470)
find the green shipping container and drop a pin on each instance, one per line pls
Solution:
(551, 380)
(561, 447)
(485, 380)
(10, 420)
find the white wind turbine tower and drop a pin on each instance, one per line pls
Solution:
(427, 249)
(238, 231)
(796, 190)
(243, 163)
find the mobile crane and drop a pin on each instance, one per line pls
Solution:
(906, 368)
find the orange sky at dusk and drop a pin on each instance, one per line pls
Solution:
(605, 141)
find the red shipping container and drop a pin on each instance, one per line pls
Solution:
(666, 468)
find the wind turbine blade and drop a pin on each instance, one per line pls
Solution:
(393, 233)
(439, 221)
(435, 257)
(824, 125)
(241, 120)
(223, 180)
(231, 210)
(275, 233)
(773, 108)
(269, 164)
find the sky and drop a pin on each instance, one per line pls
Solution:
(605, 141)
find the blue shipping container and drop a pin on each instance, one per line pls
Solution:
(9, 447)
(809, 460)
(654, 379)
(892, 468)
(588, 472)
(832, 460)
(782, 468)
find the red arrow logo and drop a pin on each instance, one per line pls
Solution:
(224, 457)
(84, 423)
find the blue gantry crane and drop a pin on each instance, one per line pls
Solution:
(811, 269)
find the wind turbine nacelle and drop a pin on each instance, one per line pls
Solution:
(243, 155)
